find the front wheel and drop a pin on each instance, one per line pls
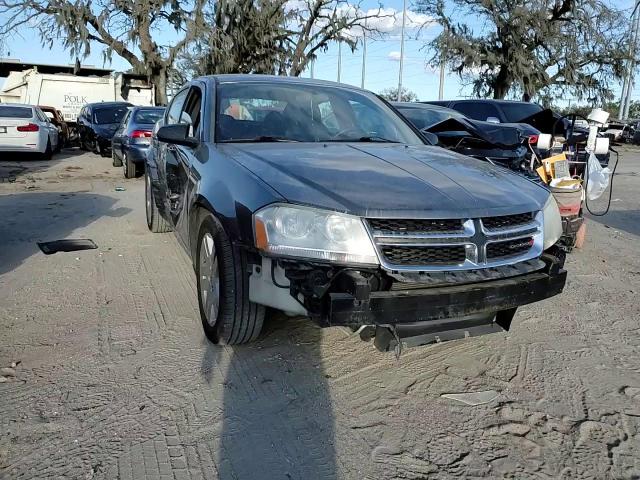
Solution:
(228, 316)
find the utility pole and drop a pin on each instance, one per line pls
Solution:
(627, 87)
(313, 62)
(364, 54)
(404, 20)
(441, 89)
(339, 59)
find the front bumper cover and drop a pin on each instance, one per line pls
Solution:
(441, 303)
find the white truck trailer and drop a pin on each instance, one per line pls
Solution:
(69, 93)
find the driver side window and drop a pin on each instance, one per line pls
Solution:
(173, 113)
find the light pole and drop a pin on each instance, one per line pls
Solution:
(404, 19)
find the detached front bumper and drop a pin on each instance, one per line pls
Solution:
(445, 306)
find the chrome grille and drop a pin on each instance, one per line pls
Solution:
(400, 255)
(442, 245)
(507, 221)
(403, 226)
(509, 248)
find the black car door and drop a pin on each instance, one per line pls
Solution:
(181, 176)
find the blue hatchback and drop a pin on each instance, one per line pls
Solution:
(132, 138)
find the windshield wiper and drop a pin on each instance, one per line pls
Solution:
(371, 138)
(259, 139)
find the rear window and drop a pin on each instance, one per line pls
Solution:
(148, 117)
(16, 112)
(106, 115)
(514, 112)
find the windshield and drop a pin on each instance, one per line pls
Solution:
(256, 111)
(106, 115)
(148, 116)
(514, 112)
(427, 117)
(15, 112)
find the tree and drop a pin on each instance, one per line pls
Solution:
(391, 94)
(314, 24)
(126, 28)
(278, 36)
(247, 37)
(529, 46)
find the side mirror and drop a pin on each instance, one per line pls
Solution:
(177, 135)
(431, 137)
(493, 120)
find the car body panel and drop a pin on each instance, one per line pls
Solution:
(417, 181)
(121, 142)
(92, 134)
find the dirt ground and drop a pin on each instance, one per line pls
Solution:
(114, 378)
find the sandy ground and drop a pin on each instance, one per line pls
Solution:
(114, 378)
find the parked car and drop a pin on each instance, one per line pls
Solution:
(25, 128)
(508, 112)
(55, 117)
(97, 123)
(315, 210)
(496, 143)
(131, 140)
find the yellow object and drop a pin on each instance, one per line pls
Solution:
(542, 174)
(547, 170)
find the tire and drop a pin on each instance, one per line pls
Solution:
(155, 222)
(116, 162)
(48, 153)
(222, 268)
(129, 167)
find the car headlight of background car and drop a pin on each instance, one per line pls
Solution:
(552, 222)
(312, 233)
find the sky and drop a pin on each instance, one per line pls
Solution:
(382, 60)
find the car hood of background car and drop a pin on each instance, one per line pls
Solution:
(377, 180)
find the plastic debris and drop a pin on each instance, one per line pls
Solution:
(473, 398)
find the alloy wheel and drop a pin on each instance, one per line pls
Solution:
(209, 279)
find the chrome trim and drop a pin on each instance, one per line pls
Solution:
(475, 238)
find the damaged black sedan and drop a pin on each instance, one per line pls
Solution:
(318, 199)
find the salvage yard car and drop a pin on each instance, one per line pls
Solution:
(131, 140)
(26, 129)
(318, 199)
(496, 143)
(97, 123)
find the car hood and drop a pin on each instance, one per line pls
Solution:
(380, 180)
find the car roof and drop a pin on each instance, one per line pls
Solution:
(109, 104)
(27, 105)
(146, 107)
(278, 79)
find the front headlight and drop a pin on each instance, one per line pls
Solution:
(552, 222)
(312, 233)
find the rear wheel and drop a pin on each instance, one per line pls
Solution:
(129, 167)
(228, 316)
(48, 153)
(155, 222)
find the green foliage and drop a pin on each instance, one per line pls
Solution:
(535, 47)
(391, 94)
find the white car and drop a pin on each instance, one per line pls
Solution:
(25, 128)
